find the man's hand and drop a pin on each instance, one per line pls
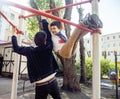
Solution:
(14, 31)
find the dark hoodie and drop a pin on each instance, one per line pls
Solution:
(40, 60)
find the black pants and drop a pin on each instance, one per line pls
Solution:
(51, 88)
(0, 70)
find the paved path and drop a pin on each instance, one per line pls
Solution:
(107, 91)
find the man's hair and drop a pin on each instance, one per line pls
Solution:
(40, 38)
(56, 23)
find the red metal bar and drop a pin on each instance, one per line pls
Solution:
(24, 17)
(69, 5)
(18, 31)
(44, 14)
(54, 9)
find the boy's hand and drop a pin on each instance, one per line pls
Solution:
(43, 17)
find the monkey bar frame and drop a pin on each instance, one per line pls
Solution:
(44, 14)
(59, 8)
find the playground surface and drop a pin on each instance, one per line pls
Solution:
(107, 90)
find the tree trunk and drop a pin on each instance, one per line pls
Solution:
(52, 5)
(33, 5)
(82, 61)
(82, 51)
(70, 80)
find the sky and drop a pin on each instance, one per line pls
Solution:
(109, 13)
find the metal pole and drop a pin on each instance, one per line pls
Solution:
(15, 78)
(18, 31)
(116, 70)
(96, 61)
(16, 66)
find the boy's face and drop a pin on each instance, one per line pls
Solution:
(54, 29)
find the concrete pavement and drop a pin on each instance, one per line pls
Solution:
(107, 91)
(6, 84)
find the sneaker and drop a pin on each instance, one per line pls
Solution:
(92, 21)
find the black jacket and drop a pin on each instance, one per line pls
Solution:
(40, 60)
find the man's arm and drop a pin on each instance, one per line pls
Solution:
(46, 29)
(16, 48)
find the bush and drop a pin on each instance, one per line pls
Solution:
(60, 72)
(88, 64)
(105, 64)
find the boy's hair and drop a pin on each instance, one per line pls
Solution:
(40, 38)
(56, 23)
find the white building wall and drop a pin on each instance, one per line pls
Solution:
(5, 35)
(3, 23)
(108, 44)
(5, 27)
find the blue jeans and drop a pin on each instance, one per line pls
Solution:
(51, 88)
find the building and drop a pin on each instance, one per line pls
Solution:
(109, 43)
(9, 62)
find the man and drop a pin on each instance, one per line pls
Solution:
(41, 64)
(1, 63)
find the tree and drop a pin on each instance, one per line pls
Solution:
(70, 80)
(82, 61)
(82, 51)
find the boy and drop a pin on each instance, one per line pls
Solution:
(66, 48)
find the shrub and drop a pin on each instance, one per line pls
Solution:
(105, 64)
(88, 64)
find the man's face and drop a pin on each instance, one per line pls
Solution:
(54, 29)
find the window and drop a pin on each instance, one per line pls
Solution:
(108, 53)
(12, 16)
(89, 53)
(108, 38)
(119, 36)
(108, 45)
(101, 39)
(104, 54)
(113, 44)
(102, 46)
(113, 37)
(9, 38)
(88, 41)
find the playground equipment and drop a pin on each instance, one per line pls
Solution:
(112, 76)
(96, 63)
(45, 14)
(18, 31)
(59, 8)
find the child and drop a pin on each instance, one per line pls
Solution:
(66, 48)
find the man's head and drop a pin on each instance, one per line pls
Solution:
(55, 27)
(40, 38)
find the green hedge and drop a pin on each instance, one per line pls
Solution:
(105, 64)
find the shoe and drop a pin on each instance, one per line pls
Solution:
(92, 21)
